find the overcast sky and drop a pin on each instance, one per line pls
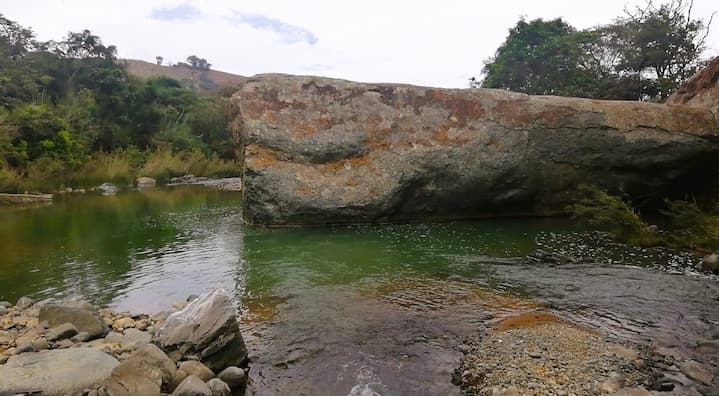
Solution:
(436, 43)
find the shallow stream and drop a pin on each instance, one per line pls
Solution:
(348, 310)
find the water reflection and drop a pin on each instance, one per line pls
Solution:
(131, 250)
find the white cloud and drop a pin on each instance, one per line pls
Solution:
(439, 43)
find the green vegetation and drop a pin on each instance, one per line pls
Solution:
(71, 115)
(643, 55)
(689, 226)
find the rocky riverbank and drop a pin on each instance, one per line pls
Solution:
(74, 348)
(540, 354)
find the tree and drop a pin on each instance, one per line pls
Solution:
(543, 58)
(659, 44)
(643, 55)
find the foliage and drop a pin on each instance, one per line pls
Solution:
(643, 55)
(70, 113)
(612, 213)
(542, 57)
(691, 226)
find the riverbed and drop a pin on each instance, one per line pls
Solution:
(350, 310)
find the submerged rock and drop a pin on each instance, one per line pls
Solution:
(206, 328)
(55, 372)
(320, 150)
(107, 189)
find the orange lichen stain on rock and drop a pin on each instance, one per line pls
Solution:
(346, 163)
(526, 320)
(305, 191)
(324, 122)
(259, 157)
(304, 130)
(443, 137)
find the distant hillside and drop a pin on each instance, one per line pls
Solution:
(208, 82)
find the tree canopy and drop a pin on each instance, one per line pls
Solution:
(63, 100)
(643, 55)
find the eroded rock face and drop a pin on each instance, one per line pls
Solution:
(205, 329)
(319, 151)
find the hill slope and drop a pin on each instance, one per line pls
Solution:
(208, 82)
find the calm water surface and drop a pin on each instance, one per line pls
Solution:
(346, 310)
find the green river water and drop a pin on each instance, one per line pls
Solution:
(343, 310)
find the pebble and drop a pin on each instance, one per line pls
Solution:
(235, 377)
(192, 367)
(25, 302)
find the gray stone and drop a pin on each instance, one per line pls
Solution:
(6, 304)
(84, 316)
(61, 332)
(235, 377)
(40, 344)
(207, 327)
(218, 387)
(334, 151)
(180, 375)
(25, 302)
(148, 371)
(130, 340)
(56, 372)
(3, 310)
(107, 189)
(145, 182)
(192, 386)
(82, 336)
(24, 347)
(696, 372)
(713, 333)
(192, 367)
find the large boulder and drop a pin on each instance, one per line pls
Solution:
(319, 150)
(148, 371)
(207, 329)
(55, 372)
(84, 316)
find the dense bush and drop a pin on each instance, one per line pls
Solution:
(71, 115)
(688, 225)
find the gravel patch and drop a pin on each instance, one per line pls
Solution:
(538, 354)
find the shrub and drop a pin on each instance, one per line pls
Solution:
(162, 164)
(613, 214)
(691, 226)
(115, 167)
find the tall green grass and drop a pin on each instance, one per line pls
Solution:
(120, 167)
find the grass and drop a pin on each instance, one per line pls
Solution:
(120, 167)
(609, 212)
(689, 225)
